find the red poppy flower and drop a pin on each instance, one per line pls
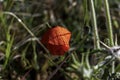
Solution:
(57, 40)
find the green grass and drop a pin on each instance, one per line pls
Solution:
(24, 57)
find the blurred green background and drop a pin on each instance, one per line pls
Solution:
(23, 58)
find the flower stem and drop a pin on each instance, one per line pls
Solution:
(109, 23)
(96, 36)
(109, 26)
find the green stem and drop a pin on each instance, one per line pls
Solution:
(10, 13)
(109, 23)
(87, 60)
(96, 37)
(110, 32)
(86, 16)
(21, 22)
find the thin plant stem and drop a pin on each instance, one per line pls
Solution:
(10, 13)
(109, 23)
(86, 16)
(96, 36)
(87, 60)
(29, 31)
(109, 26)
